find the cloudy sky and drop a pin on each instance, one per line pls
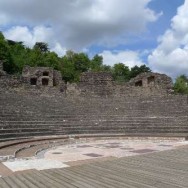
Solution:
(134, 32)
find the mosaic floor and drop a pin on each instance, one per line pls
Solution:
(65, 155)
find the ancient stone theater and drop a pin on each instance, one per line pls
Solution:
(94, 133)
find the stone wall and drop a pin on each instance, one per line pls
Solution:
(42, 77)
(151, 79)
(33, 78)
(57, 78)
(95, 84)
(38, 76)
(96, 77)
(10, 82)
(102, 84)
(92, 84)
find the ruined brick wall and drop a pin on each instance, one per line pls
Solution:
(96, 77)
(146, 84)
(102, 84)
(92, 84)
(33, 78)
(38, 76)
(41, 76)
(151, 79)
(57, 78)
(95, 83)
(10, 82)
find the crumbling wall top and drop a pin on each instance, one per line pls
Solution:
(41, 76)
(91, 77)
(150, 79)
(37, 71)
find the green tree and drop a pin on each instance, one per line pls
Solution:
(42, 46)
(73, 64)
(181, 84)
(52, 60)
(5, 55)
(121, 72)
(96, 63)
(36, 58)
(68, 70)
(81, 62)
(106, 68)
(136, 70)
(19, 54)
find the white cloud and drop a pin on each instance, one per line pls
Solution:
(61, 51)
(29, 37)
(171, 55)
(20, 34)
(38, 34)
(77, 24)
(129, 58)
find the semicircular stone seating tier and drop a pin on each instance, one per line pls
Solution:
(24, 116)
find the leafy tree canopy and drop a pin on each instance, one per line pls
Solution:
(41, 46)
(15, 56)
(121, 72)
(136, 70)
(181, 84)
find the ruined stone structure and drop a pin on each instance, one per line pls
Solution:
(151, 79)
(102, 84)
(96, 105)
(96, 78)
(41, 76)
(32, 122)
(95, 83)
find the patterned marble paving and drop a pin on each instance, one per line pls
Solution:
(93, 155)
(143, 151)
(165, 145)
(89, 150)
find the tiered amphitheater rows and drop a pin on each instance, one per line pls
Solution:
(30, 115)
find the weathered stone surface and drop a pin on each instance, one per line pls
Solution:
(96, 77)
(38, 76)
(10, 82)
(151, 79)
(95, 84)
(102, 84)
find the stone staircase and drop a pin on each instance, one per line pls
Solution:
(28, 115)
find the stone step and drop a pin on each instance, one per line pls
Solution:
(91, 124)
(55, 128)
(93, 117)
(86, 131)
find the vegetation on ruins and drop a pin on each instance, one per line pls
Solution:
(181, 85)
(15, 56)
